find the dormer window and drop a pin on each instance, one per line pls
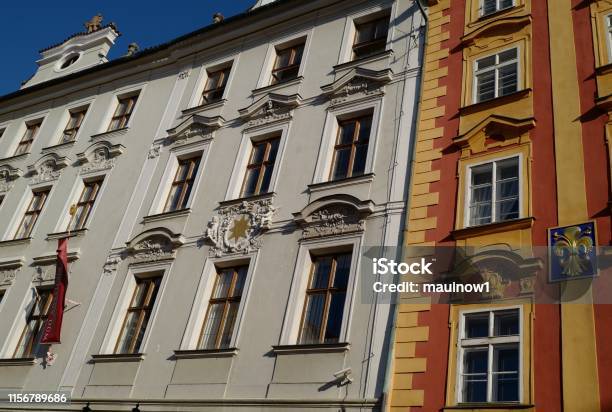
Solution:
(493, 6)
(370, 37)
(69, 61)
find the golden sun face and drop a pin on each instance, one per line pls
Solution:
(240, 228)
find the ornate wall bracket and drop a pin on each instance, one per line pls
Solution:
(239, 228)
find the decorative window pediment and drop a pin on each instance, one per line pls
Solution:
(357, 84)
(8, 175)
(9, 269)
(45, 266)
(99, 156)
(47, 168)
(194, 126)
(238, 228)
(270, 108)
(493, 131)
(153, 245)
(503, 27)
(333, 215)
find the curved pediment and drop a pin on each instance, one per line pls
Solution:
(47, 168)
(270, 108)
(333, 215)
(7, 175)
(153, 245)
(496, 27)
(492, 131)
(99, 156)
(195, 125)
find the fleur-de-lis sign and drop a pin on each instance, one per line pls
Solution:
(573, 247)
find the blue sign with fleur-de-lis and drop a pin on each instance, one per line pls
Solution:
(572, 252)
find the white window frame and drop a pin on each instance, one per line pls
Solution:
(18, 136)
(496, 67)
(204, 291)
(138, 89)
(195, 99)
(265, 76)
(497, 7)
(468, 187)
(330, 135)
(65, 117)
(608, 27)
(19, 322)
(123, 302)
(163, 189)
(490, 341)
(244, 153)
(299, 284)
(9, 233)
(350, 28)
(75, 193)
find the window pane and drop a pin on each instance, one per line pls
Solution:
(485, 62)
(313, 319)
(347, 132)
(477, 325)
(506, 323)
(506, 373)
(485, 86)
(250, 183)
(507, 169)
(273, 150)
(340, 170)
(489, 6)
(211, 326)
(508, 79)
(359, 163)
(267, 177)
(507, 55)
(507, 209)
(475, 375)
(365, 32)
(174, 198)
(365, 126)
(334, 318)
(241, 277)
(128, 333)
(224, 281)
(283, 58)
(320, 276)
(343, 269)
(228, 327)
(482, 174)
(504, 4)
(259, 151)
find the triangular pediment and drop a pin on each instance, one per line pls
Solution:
(195, 125)
(270, 107)
(357, 80)
(492, 130)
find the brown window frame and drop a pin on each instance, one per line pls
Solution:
(380, 42)
(291, 64)
(35, 212)
(123, 118)
(226, 301)
(262, 166)
(220, 89)
(153, 284)
(186, 184)
(32, 130)
(328, 292)
(70, 131)
(39, 322)
(353, 145)
(85, 204)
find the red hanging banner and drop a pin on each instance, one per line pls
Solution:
(53, 326)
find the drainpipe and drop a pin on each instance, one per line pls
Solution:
(389, 363)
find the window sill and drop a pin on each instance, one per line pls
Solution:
(348, 181)
(497, 101)
(13, 242)
(110, 134)
(166, 215)
(253, 198)
(203, 107)
(313, 348)
(487, 406)
(116, 357)
(354, 63)
(15, 158)
(276, 86)
(205, 353)
(58, 146)
(17, 362)
(72, 233)
(490, 228)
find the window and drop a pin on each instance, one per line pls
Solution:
(609, 36)
(123, 112)
(215, 85)
(1, 296)
(74, 123)
(325, 297)
(351, 149)
(84, 205)
(287, 64)
(30, 337)
(493, 6)
(28, 138)
(489, 356)
(70, 61)
(182, 184)
(223, 308)
(496, 75)
(32, 213)
(494, 192)
(370, 37)
(138, 314)
(2, 133)
(261, 165)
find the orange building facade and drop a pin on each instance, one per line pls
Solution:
(513, 155)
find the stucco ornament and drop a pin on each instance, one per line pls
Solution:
(7, 276)
(111, 264)
(153, 249)
(238, 228)
(5, 181)
(46, 172)
(497, 284)
(100, 160)
(333, 220)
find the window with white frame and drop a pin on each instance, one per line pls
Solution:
(182, 183)
(493, 6)
(287, 63)
(489, 352)
(370, 37)
(259, 170)
(351, 148)
(31, 131)
(75, 121)
(215, 84)
(123, 112)
(32, 213)
(83, 207)
(29, 341)
(494, 192)
(496, 75)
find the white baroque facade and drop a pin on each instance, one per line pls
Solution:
(223, 187)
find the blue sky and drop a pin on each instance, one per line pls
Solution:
(28, 26)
